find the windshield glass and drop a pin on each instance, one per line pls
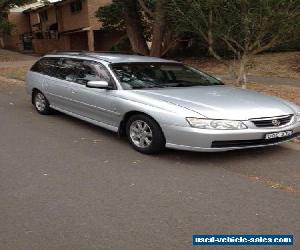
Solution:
(160, 75)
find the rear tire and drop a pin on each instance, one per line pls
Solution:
(144, 134)
(41, 103)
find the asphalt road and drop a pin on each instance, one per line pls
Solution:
(66, 184)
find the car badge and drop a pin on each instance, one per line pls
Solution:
(276, 122)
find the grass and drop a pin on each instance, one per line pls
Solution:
(14, 73)
(11, 56)
(14, 65)
(287, 92)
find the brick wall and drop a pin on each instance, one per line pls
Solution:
(51, 19)
(43, 46)
(72, 21)
(34, 18)
(22, 25)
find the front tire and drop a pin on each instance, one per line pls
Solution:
(41, 103)
(144, 134)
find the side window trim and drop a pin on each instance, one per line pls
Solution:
(112, 81)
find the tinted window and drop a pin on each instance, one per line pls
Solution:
(46, 66)
(80, 71)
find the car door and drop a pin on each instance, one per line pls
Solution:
(56, 89)
(92, 103)
(65, 84)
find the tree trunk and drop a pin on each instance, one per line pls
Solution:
(210, 44)
(158, 29)
(210, 38)
(134, 28)
(242, 74)
(1, 42)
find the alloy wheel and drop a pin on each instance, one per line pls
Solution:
(140, 134)
(40, 102)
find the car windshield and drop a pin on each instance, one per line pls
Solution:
(160, 75)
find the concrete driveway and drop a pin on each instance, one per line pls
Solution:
(66, 184)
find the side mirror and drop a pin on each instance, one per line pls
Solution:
(98, 84)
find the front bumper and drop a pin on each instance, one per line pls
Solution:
(194, 139)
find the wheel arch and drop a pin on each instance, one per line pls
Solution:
(122, 126)
(33, 92)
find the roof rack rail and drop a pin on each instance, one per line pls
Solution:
(87, 51)
(67, 51)
(119, 52)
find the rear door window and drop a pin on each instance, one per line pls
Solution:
(46, 66)
(68, 69)
(80, 71)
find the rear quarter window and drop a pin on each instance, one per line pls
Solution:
(46, 66)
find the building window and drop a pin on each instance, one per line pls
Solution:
(76, 6)
(44, 16)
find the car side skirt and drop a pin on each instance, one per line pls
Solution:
(97, 123)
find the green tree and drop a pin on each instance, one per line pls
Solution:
(144, 21)
(246, 27)
(5, 5)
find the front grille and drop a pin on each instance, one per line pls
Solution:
(272, 121)
(247, 143)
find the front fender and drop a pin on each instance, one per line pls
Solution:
(163, 112)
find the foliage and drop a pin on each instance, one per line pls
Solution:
(5, 5)
(148, 17)
(258, 24)
(111, 17)
(242, 27)
(5, 26)
(245, 27)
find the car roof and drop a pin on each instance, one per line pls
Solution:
(111, 57)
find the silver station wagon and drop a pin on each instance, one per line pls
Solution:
(159, 103)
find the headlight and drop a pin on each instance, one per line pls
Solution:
(298, 117)
(215, 124)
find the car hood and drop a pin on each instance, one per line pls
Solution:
(222, 102)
